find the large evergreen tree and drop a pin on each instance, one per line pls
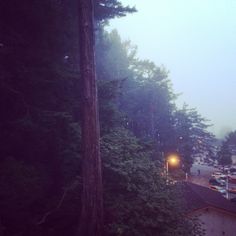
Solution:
(91, 220)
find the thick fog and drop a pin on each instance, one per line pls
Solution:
(195, 41)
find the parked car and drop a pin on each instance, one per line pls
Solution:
(232, 170)
(216, 182)
(226, 170)
(232, 179)
(218, 189)
(216, 174)
(223, 177)
(232, 190)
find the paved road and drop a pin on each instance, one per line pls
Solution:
(205, 174)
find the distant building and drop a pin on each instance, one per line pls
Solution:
(217, 214)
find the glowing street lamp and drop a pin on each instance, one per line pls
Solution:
(172, 160)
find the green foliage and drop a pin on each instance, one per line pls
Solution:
(21, 186)
(137, 199)
(146, 102)
(109, 115)
(107, 9)
(227, 149)
(192, 137)
(224, 155)
(231, 138)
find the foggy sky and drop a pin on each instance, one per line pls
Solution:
(196, 41)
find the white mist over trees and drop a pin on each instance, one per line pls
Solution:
(196, 41)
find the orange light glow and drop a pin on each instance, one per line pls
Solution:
(173, 160)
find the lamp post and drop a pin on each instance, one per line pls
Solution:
(227, 187)
(172, 160)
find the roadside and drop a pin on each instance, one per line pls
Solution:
(201, 174)
(203, 177)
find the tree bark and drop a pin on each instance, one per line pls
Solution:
(91, 218)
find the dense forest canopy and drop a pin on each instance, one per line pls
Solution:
(40, 175)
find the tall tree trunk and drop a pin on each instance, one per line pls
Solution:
(91, 219)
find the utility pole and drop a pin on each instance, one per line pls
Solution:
(91, 218)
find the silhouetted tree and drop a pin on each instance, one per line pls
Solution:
(91, 219)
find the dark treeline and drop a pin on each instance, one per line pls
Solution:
(40, 137)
